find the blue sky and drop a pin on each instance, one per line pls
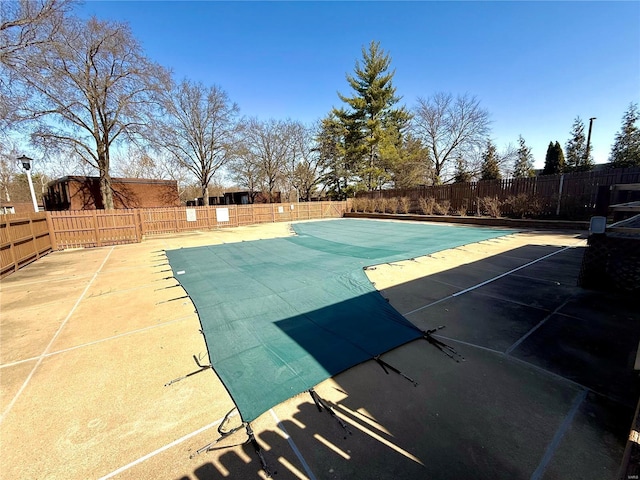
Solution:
(535, 66)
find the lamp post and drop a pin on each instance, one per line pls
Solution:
(586, 159)
(26, 164)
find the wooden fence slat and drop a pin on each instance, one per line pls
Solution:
(24, 238)
(576, 199)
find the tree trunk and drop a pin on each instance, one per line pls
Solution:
(205, 195)
(105, 190)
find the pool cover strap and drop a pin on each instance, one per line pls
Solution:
(448, 350)
(322, 404)
(386, 366)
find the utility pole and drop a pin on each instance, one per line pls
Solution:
(586, 157)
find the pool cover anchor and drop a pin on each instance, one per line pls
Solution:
(448, 350)
(258, 450)
(251, 438)
(201, 369)
(386, 366)
(173, 299)
(320, 403)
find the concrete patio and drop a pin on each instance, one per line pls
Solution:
(547, 390)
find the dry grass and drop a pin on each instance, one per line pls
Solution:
(426, 205)
(490, 206)
(392, 205)
(405, 204)
(442, 208)
(523, 205)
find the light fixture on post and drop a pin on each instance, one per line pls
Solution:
(586, 156)
(26, 164)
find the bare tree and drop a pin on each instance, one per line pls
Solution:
(8, 169)
(29, 23)
(470, 166)
(268, 147)
(246, 173)
(92, 88)
(134, 162)
(450, 128)
(24, 25)
(199, 129)
(303, 171)
(58, 164)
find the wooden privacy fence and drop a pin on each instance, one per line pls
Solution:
(570, 195)
(24, 238)
(95, 228)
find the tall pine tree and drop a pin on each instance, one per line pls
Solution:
(523, 166)
(462, 174)
(559, 155)
(576, 149)
(372, 123)
(554, 160)
(490, 166)
(625, 151)
(332, 158)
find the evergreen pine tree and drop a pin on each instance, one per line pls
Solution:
(370, 119)
(490, 167)
(462, 174)
(576, 149)
(554, 159)
(550, 165)
(626, 147)
(331, 157)
(523, 166)
(559, 157)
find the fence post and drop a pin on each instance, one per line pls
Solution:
(12, 249)
(136, 224)
(33, 236)
(94, 216)
(560, 194)
(52, 232)
(140, 220)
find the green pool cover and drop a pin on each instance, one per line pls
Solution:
(280, 316)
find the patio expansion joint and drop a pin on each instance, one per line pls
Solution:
(509, 300)
(21, 285)
(541, 370)
(557, 438)
(518, 342)
(53, 339)
(95, 342)
(486, 282)
(131, 289)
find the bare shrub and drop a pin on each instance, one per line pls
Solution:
(523, 205)
(392, 205)
(358, 204)
(370, 205)
(442, 208)
(461, 210)
(380, 205)
(490, 206)
(426, 205)
(404, 204)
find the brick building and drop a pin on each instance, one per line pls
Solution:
(83, 193)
